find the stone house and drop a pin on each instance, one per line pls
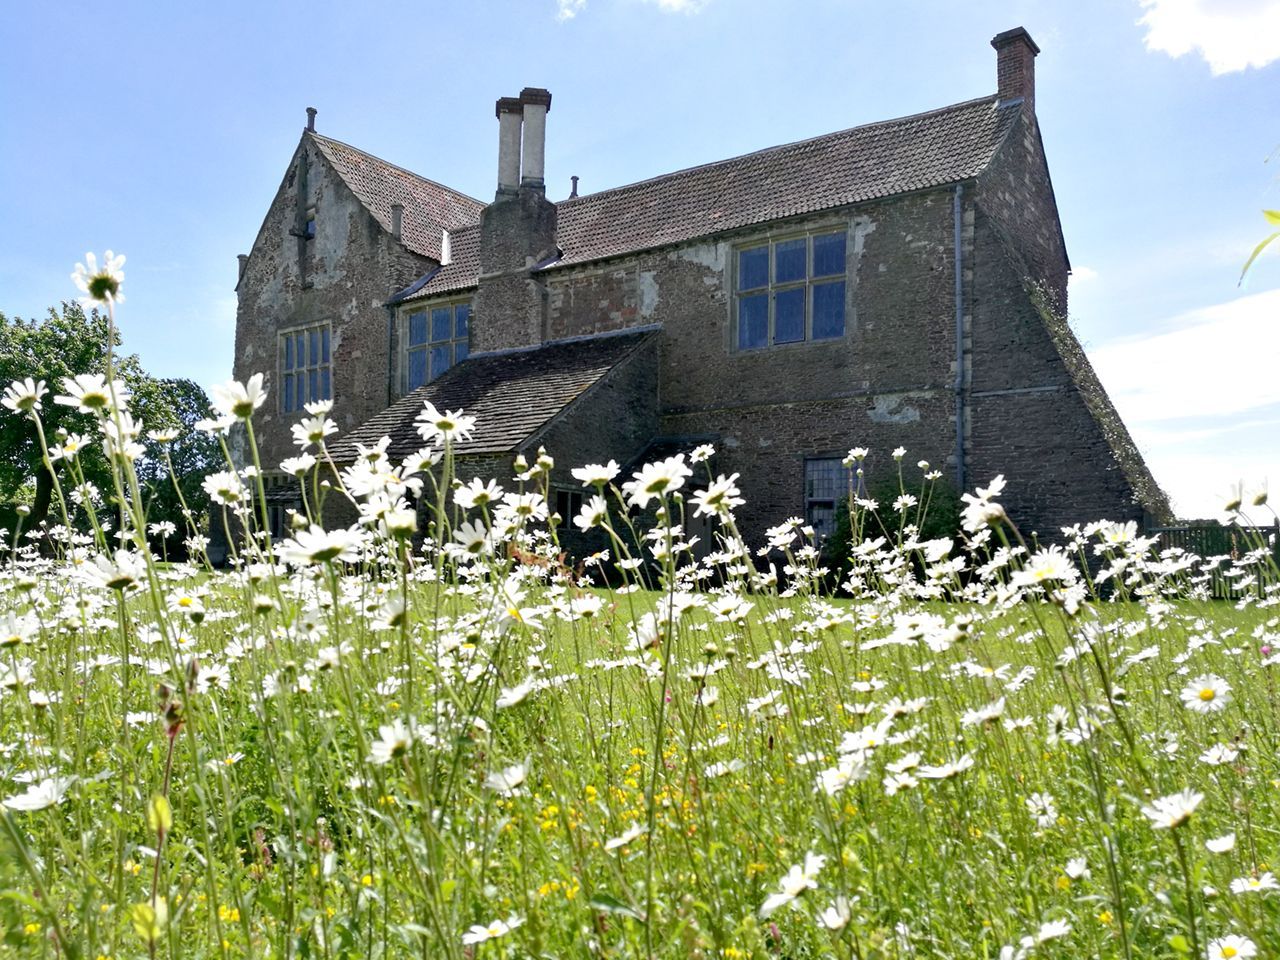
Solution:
(901, 283)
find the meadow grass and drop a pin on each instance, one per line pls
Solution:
(359, 743)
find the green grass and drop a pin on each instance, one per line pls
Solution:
(348, 748)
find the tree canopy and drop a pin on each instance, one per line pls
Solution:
(69, 341)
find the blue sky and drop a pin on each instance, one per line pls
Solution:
(162, 131)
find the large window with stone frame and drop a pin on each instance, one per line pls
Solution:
(305, 367)
(826, 482)
(790, 289)
(436, 336)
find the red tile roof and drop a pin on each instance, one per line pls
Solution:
(834, 170)
(429, 207)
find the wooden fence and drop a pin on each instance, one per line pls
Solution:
(1217, 540)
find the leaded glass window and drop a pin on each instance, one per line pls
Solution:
(790, 290)
(305, 367)
(436, 338)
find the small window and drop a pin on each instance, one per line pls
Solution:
(568, 504)
(436, 338)
(827, 481)
(305, 367)
(791, 290)
(311, 228)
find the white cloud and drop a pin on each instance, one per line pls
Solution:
(1217, 361)
(1203, 398)
(1230, 35)
(1080, 274)
(568, 9)
(679, 6)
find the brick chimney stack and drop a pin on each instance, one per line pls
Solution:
(311, 119)
(510, 112)
(1016, 66)
(537, 104)
(517, 231)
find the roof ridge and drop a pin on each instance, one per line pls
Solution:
(994, 99)
(372, 156)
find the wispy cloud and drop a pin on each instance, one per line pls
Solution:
(1230, 35)
(1216, 361)
(679, 6)
(568, 9)
(1202, 399)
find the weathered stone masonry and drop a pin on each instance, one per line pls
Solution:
(976, 372)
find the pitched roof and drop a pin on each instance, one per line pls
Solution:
(512, 395)
(429, 207)
(850, 166)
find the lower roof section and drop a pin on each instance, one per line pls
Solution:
(512, 394)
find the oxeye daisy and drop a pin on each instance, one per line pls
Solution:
(23, 396)
(1232, 947)
(100, 284)
(797, 880)
(509, 780)
(596, 475)
(239, 400)
(1223, 844)
(479, 933)
(1165, 813)
(90, 393)
(311, 430)
(656, 480)
(46, 793)
(318, 545)
(1208, 693)
(452, 425)
(394, 741)
(1260, 883)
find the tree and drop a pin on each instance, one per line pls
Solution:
(68, 342)
(193, 454)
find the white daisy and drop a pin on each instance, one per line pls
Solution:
(1206, 694)
(1165, 813)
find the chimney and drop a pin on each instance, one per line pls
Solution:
(446, 248)
(1016, 66)
(508, 111)
(574, 192)
(311, 119)
(243, 259)
(537, 104)
(517, 232)
(397, 220)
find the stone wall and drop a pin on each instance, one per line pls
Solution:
(886, 383)
(343, 277)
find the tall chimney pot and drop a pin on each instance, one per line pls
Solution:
(509, 113)
(1016, 66)
(574, 192)
(311, 119)
(243, 261)
(537, 104)
(397, 220)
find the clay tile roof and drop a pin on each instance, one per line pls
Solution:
(512, 395)
(429, 207)
(837, 169)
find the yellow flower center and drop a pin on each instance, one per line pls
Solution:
(1229, 951)
(1207, 694)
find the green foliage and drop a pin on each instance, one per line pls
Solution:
(1273, 218)
(937, 515)
(68, 342)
